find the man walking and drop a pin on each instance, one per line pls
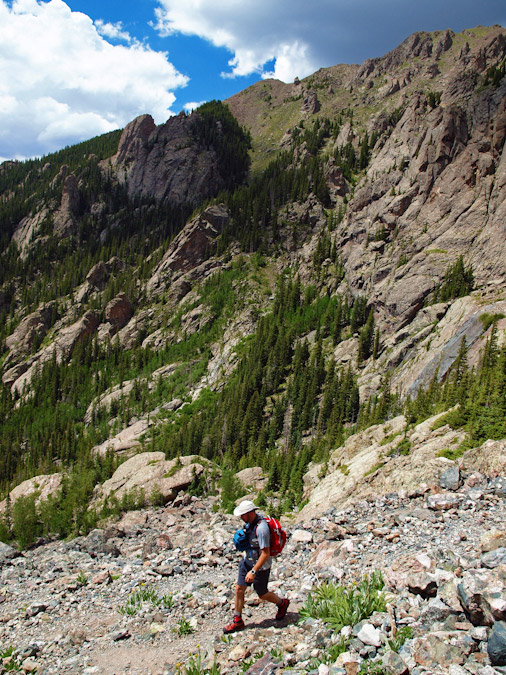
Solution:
(255, 567)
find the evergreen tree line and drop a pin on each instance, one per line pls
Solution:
(479, 394)
(214, 127)
(256, 208)
(284, 392)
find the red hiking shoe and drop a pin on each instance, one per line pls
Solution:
(237, 624)
(282, 608)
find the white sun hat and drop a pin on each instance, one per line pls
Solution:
(244, 507)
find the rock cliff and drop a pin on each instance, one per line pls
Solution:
(166, 162)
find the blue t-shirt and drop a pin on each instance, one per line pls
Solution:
(259, 537)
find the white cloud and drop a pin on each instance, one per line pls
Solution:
(62, 82)
(289, 38)
(255, 31)
(114, 31)
(193, 105)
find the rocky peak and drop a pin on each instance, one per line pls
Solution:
(134, 137)
(165, 162)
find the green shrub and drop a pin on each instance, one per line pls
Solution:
(183, 627)
(402, 448)
(340, 606)
(452, 453)
(26, 526)
(10, 662)
(488, 319)
(331, 653)
(374, 468)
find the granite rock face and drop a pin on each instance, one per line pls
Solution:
(164, 162)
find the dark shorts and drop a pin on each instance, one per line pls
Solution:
(261, 577)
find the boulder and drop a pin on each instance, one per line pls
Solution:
(450, 479)
(494, 558)
(126, 439)
(482, 594)
(7, 553)
(492, 540)
(422, 584)
(496, 647)
(253, 478)
(443, 501)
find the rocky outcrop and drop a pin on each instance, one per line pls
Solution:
(30, 330)
(42, 487)
(165, 162)
(311, 104)
(253, 479)
(97, 278)
(391, 457)
(65, 218)
(61, 348)
(27, 231)
(118, 312)
(128, 438)
(152, 473)
(189, 249)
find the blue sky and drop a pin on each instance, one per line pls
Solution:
(72, 69)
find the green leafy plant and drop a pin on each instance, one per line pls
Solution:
(82, 578)
(276, 653)
(403, 634)
(10, 663)
(330, 654)
(137, 598)
(183, 627)
(340, 606)
(168, 601)
(194, 666)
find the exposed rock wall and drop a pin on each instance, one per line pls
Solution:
(165, 162)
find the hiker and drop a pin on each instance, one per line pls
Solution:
(255, 567)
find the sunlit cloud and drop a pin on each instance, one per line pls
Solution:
(63, 82)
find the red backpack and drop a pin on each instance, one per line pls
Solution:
(278, 535)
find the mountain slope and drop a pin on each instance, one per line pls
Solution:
(318, 296)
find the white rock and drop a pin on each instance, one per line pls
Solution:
(424, 560)
(370, 635)
(302, 536)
